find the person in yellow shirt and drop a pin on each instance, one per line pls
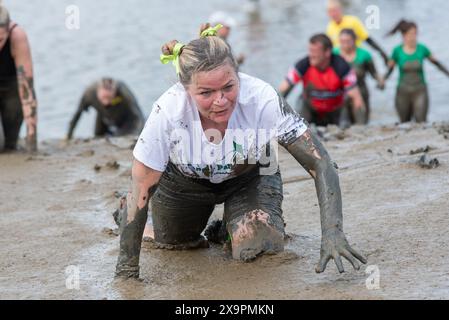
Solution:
(339, 21)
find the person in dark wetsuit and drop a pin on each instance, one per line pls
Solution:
(412, 99)
(118, 112)
(17, 97)
(362, 63)
(327, 79)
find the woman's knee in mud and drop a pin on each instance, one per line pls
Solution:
(254, 234)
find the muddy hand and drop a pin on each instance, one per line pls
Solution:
(334, 246)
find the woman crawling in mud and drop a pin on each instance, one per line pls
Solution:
(206, 142)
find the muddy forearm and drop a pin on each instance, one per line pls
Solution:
(391, 66)
(285, 88)
(73, 123)
(133, 219)
(131, 230)
(371, 67)
(359, 108)
(29, 106)
(440, 66)
(376, 47)
(310, 153)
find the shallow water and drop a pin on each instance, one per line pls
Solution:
(122, 39)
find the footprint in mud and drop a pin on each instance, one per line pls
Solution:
(111, 232)
(113, 165)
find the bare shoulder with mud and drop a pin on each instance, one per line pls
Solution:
(57, 204)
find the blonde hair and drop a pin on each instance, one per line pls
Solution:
(4, 17)
(203, 54)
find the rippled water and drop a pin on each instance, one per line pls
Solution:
(122, 39)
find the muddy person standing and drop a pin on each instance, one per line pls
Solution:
(412, 97)
(17, 96)
(207, 142)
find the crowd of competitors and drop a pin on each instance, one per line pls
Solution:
(333, 76)
(329, 96)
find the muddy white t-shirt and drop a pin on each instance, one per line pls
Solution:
(173, 132)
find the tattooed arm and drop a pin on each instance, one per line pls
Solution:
(21, 52)
(133, 219)
(312, 156)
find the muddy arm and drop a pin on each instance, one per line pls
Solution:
(376, 47)
(371, 67)
(310, 153)
(391, 65)
(134, 217)
(285, 88)
(438, 64)
(359, 109)
(83, 105)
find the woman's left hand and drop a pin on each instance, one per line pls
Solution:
(333, 246)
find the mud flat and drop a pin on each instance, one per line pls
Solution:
(56, 205)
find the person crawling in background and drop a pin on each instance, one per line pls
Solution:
(118, 112)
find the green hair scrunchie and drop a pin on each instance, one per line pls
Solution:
(166, 58)
(211, 31)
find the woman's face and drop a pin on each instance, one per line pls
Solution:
(105, 96)
(335, 13)
(347, 43)
(410, 37)
(215, 93)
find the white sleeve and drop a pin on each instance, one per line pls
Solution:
(278, 117)
(152, 148)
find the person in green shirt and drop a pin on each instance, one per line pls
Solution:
(362, 63)
(412, 99)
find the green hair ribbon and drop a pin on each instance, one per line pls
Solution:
(211, 31)
(166, 58)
